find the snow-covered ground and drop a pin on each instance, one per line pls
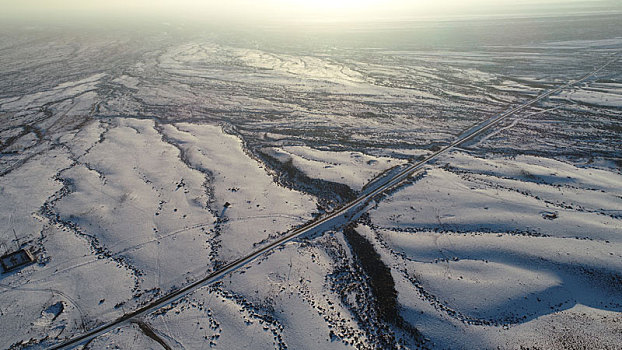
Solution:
(354, 169)
(179, 153)
(128, 212)
(505, 249)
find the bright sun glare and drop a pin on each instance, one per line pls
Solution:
(333, 4)
(327, 9)
(360, 9)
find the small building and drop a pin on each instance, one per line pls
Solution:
(16, 260)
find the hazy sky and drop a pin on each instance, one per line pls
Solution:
(290, 10)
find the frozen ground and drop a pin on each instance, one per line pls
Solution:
(178, 153)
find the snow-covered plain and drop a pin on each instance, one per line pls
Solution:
(177, 154)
